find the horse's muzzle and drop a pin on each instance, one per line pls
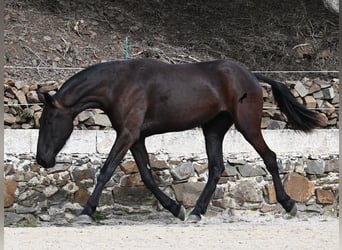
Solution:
(45, 163)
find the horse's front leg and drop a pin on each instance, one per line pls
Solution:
(123, 142)
(141, 158)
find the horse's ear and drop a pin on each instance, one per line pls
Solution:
(46, 98)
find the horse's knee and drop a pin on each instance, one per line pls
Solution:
(216, 171)
(148, 181)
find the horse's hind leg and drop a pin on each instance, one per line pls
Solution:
(214, 132)
(141, 158)
(247, 121)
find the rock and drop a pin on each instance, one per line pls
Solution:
(332, 165)
(220, 192)
(35, 168)
(303, 50)
(26, 126)
(247, 191)
(182, 172)
(272, 198)
(222, 203)
(44, 217)
(267, 208)
(12, 218)
(315, 166)
(327, 108)
(314, 208)
(19, 84)
(264, 92)
(32, 97)
(310, 102)
(129, 167)
(71, 188)
(294, 92)
(188, 193)
(229, 171)
(34, 181)
(9, 169)
(82, 196)
(132, 180)
(298, 187)
(106, 199)
(163, 178)
(200, 168)
(25, 210)
(58, 168)
(84, 115)
(133, 196)
(10, 186)
(318, 95)
(328, 93)
(50, 190)
(158, 164)
(249, 170)
(276, 125)
(336, 99)
(55, 211)
(332, 5)
(74, 208)
(265, 122)
(9, 119)
(36, 118)
(315, 87)
(85, 172)
(21, 97)
(324, 196)
(49, 87)
(301, 89)
(47, 38)
(236, 161)
(101, 120)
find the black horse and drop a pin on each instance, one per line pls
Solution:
(144, 97)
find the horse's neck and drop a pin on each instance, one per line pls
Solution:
(78, 96)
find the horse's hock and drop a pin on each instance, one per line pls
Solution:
(179, 167)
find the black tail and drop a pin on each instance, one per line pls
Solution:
(298, 116)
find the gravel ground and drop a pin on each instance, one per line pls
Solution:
(214, 233)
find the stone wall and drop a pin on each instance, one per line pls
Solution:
(57, 195)
(23, 108)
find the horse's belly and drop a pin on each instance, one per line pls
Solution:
(178, 119)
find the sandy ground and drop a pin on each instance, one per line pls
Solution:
(313, 233)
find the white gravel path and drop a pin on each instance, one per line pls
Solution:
(277, 234)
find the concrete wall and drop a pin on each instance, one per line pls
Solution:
(187, 144)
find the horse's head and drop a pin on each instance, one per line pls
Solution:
(56, 125)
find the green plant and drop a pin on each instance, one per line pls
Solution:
(26, 223)
(98, 216)
(26, 115)
(7, 56)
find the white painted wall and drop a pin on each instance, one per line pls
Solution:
(185, 144)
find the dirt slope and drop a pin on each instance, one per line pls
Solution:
(263, 35)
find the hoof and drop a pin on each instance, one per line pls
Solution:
(193, 218)
(84, 219)
(293, 210)
(182, 213)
